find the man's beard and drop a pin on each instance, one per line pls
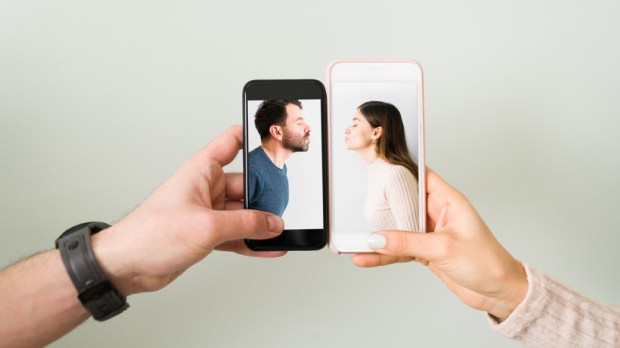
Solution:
(296, 143)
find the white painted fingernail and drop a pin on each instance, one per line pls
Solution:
(376, 241)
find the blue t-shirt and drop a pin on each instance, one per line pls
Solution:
(267, 184)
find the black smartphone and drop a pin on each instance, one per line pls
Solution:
(285, 160)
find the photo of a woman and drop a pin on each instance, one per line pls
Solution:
(377, 134)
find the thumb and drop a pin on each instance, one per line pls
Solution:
(425, 246)
(245, 223)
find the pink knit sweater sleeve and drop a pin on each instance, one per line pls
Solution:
(553, 315)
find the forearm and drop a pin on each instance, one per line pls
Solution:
(37, 295)
(554, 315)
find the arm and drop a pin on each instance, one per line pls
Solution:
(193, 213)
(553, 314)
(39, 302)
(254, 187)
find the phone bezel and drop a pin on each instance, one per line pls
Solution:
(290, 239)
(421, 144)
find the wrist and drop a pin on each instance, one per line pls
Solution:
(113, 263)
(515, 286)
(95, 290)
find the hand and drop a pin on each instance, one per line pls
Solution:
(461, 251)
(197, 210)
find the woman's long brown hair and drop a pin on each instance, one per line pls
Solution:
(391, 145)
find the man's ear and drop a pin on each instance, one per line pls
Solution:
(276, 131)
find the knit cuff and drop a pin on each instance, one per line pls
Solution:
(527, 311)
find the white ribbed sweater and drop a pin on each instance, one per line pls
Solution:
(553, 315)
(392, 197)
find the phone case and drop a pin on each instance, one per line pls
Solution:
(421, 147)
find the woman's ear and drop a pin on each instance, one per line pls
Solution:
(377, 132)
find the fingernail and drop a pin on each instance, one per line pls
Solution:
(276, 224)
(376, 241)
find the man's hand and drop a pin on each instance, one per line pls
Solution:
(198, 210)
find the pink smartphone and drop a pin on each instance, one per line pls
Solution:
(376, 150)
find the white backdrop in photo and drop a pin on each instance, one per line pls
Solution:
(349, 169)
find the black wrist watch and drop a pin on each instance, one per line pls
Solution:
(95, 291)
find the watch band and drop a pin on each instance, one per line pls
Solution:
(95, 291)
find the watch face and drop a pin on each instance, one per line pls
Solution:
(92, 227)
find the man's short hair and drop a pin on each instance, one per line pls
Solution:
(272, 112)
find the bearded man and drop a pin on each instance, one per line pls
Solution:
(283, 131)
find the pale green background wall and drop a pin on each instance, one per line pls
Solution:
(100, 101)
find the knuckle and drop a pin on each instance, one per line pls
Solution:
(252, 219)
(445, 247)
(401, 243)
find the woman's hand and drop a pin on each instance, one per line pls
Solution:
(460, 250)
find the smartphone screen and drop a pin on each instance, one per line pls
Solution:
(377, 150)
(285, 160)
